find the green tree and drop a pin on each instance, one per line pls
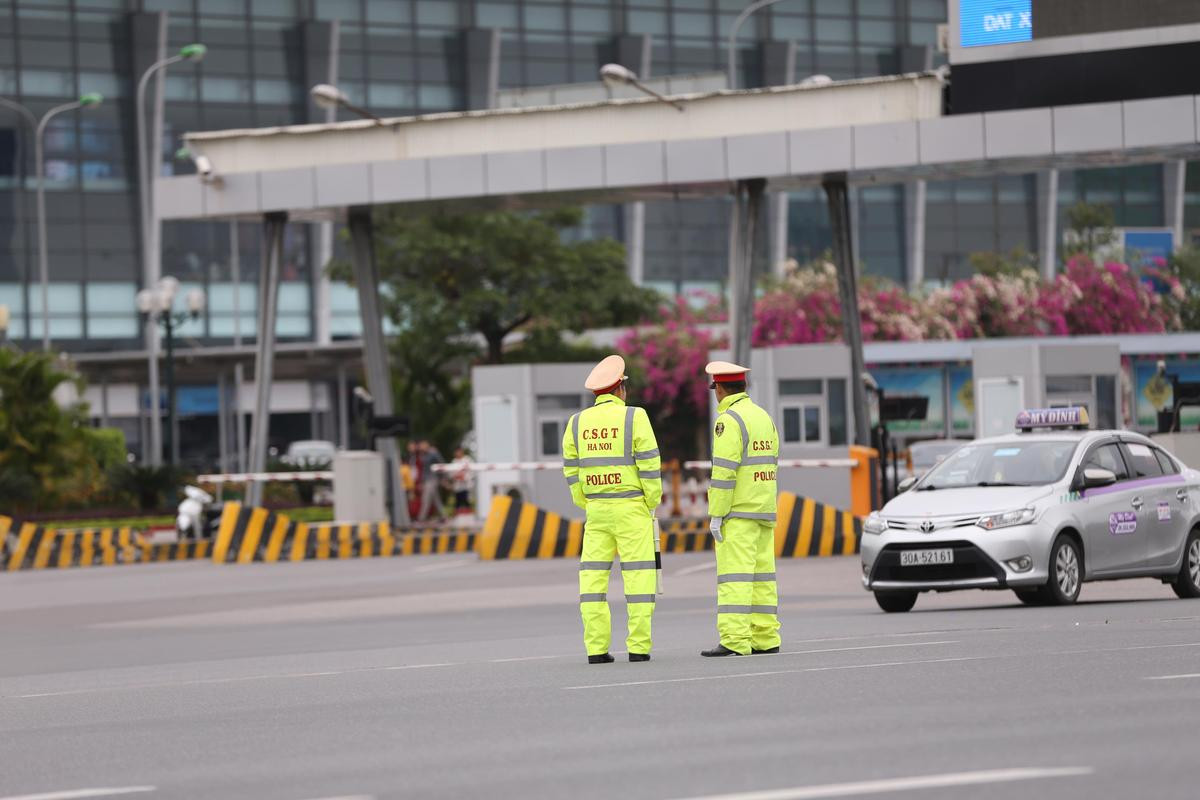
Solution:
(492, 273)
(1092, 228)
(47, 451)
(1184, 264)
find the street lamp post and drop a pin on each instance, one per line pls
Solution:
(3, 325)
(146, 162)
(331, 98)
(731, 47)
(157, 304)
(90, 100)
(615, 75)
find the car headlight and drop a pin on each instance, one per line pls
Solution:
(1021, 516)
(875, 523)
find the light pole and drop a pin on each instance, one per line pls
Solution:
(90, 100)
(3, 325)
(615, 75)
(731, 68)
(146, 162)
(330, 97)
(157, 304)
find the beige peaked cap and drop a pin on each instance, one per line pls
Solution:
(606, 374)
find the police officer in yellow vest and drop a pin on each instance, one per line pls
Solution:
(741, 507)
(611, 463)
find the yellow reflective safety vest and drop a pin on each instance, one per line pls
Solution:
(745, 456)
(610, 454)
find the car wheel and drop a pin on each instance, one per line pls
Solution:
(896, 602)
(1066, 573)
(1187, 585)
(1030, 597)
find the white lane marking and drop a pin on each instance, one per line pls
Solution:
(773, 672)
(862, 647)
(212, 681)
(692, 570)
(72, 794)
(1121, 649)
(442, 565)
(890, 785)
(1172, 677)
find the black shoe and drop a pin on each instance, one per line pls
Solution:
(719, 651)
(603, 658)
(639, 656)
(768, 651)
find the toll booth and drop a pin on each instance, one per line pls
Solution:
(1009, 376)
(806, 389)
(521, 412)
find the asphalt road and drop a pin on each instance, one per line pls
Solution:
(444, 677)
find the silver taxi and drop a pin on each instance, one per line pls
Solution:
(1038, 511)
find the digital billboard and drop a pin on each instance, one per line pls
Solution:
(986, 22)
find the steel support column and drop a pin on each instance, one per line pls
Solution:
(379, 375)
(1047, 223)
(914, 218)
(264, 358)
(838, 195)
(1174, 182)
(747, 205)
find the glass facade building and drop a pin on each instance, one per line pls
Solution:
(400, 57)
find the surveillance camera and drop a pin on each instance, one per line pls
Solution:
(363, 395)
(1160, 367)
(204, 168)
(869, 382)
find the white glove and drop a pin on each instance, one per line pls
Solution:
(714, 527)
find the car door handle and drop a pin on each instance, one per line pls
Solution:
(1181, 495)
(1136, 503)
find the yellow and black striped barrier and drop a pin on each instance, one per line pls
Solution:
(248, 535)
(804, 528)
(30, 546)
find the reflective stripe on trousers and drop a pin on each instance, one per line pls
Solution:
(747, 598)
(625, 528)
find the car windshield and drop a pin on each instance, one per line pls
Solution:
(1032, 463)
(926, 454)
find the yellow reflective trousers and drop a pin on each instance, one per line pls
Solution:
(625, 529)
(747, 599)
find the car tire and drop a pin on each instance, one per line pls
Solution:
(1066, 573)
(1187, 583)
(896, 602)
(1030, 597)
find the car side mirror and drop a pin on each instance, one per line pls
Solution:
(907, 484)
(1094, 477)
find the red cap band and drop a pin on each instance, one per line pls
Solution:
(730, 378)
(608, 390)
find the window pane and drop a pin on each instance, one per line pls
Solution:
(1069, 384)
(647, 22)
(1106, 402)
(812, 424)
(435, 12)
(800, 387)
(545, 18)
(226, 90)
(550, 438)
(496, 15)
(1108, 457)
(47, 83)
(559, 402)
(591, 20)
(791, 424)
(337, 9)
(691, 24)
(395, 12)
(837, 412)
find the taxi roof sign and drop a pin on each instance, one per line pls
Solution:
(1072, 417)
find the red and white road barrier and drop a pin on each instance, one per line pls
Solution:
(806, 463)
(258, 477)
(497, 466)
